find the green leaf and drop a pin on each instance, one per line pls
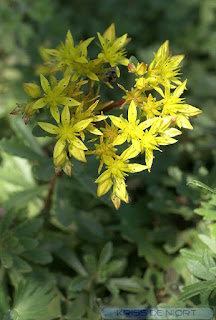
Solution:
(37, 255)
(6, 259)
(28, 228)
(32, 300)
(71, 260)
(127, 284)
(22, 198)
(11, 315)
(24, 132)
(133, 60)
(106, 254)
(201, 185)
(199, 270)
(44, 170)
(78, 284)
(209, 242)
(90, 263)
(196, 288)
(4, 299)
(61, 204)
(15, 147)
(20, 265)
(76, 309)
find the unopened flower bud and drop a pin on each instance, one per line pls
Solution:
(131, 68)
(141, 69)
(32, 90)
(67, 168)
(60, 160)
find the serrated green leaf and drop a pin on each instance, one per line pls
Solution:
(78, 284)
(71, 260)
(20, 265)
(196, 289)
(28, 228)
(209, 242)
(198, 270)
(127, 284)
(90, 263)
(32, 300)
(37, 255)
(106, 254)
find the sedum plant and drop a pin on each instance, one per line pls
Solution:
(70, 101)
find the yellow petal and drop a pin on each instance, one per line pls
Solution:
(104, 176)
(65, 116)
(104, 187)
(81, 125)
(48, 127)
(77, 153)
(70, 101)
(40, 103)
(129, 153)
(118, 122)
(44, 84)
(135, 167)
(109, 34)
(59, 147)
(116, 201)
(69, 42)
(120, 139)
(55, 113)
(132, 112)
(179, 90)
(149, 158)
(183, 122)
(62, 85)
(77, 143)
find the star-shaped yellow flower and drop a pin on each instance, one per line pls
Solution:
(67, 135)
(174, 106)
(54, 97)
(115, 175)
(113, 51)
(131, 129)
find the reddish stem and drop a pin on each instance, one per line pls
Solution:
(113, 105)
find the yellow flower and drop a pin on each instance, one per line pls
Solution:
(53, 97)
(131, 129)
(174, 106)
(67, 135)
(115, 174)
(151, 107)
(67, 54)
(82, 114)
(112, 48)
(163, 70)
(159, 133)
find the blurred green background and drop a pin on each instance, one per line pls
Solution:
(148, 232)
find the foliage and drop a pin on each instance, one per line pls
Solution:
(65, 252)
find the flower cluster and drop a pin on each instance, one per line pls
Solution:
(75, 113)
